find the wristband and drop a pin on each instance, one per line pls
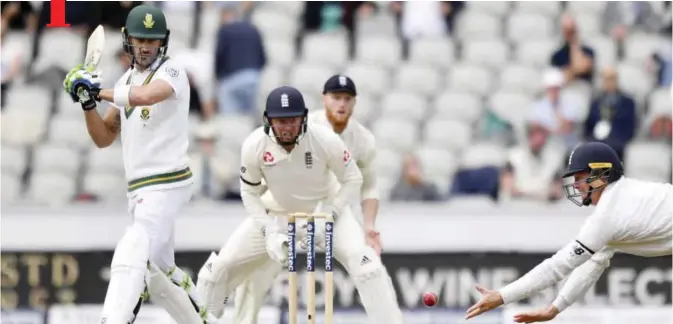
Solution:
(560, 303)
(122, 95)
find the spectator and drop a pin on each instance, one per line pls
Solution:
(660, 129)
(660, 64)
(576, 60)
(197, 104)
(10, 62)
(418, 19)
(533, 169)
(211, 173)
(239, 60)
(612, 116)
(560, 114)
(18, 15)
(624, 17)
(411, 186)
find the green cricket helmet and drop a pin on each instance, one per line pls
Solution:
(145, 22)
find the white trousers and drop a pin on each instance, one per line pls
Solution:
(156, 212)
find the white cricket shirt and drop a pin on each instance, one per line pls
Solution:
(632, 216)
(362, 145)
(300, 179)
(155, 138)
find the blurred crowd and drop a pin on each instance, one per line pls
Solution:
(576, 98)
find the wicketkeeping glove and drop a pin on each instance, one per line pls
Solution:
(83, 86)
(276, 244)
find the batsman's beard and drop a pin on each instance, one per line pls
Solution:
(144, 56)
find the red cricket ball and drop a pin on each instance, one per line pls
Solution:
(430, 299)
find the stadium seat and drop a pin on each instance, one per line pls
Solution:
(513, 107)
(421, 79)
(472, 25)
(648, 161)
(69, 131)
(460, 106)
(17, 43)
(32, 98)
(438, 167)
(233, 130)
(383, 51)
(14, 160)
(404, 105)
(61, 48)
(547, 8)
(56, 158)
(588, 25)
(395, 134)
(450, 135)
(23, 127)
(638, 48)
(52, 188)
(369, 79)
(108, 160)
(271, 77)
(521, 78)
(292, 9)
(210, 23)
(379, 24)
(387, 163)
(366, 107)
(529, 26)
(65, 106)
(480, 155)
(490, 53)
(274, 24)
(114, 38)
(470, 78)
(279, 52)
(660, 102)
(605, 51)
(10, 187)
(439, 52)
(325, 48)
(106, 186)
(310, 78)
(313, 101)
(634, 80)
(498, 9)
(586, 7)
(535, 53)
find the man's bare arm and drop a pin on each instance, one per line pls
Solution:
(141, 95)
(103, 131)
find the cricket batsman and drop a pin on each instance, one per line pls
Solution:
(149, 108)
(339, 98)
(631, 216)
(304, 167)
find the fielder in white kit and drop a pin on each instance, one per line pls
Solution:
(149, 107)
(304, 166)
(339, 98)
(631, 216)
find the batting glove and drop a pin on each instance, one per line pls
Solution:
(83, 86)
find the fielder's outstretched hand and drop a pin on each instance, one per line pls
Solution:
(541, 315)
(490, 299)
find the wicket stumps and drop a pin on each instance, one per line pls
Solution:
(310, 266)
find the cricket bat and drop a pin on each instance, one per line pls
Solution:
(94, 48)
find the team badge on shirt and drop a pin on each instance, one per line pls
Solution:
(347, 157)
(172, 72)
(268, 158)
(145, 113)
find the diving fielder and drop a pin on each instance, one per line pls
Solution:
(339, 95)
(304, 166)
(149, 107)
(631, 216)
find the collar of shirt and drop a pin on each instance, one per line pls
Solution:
(278, 152)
